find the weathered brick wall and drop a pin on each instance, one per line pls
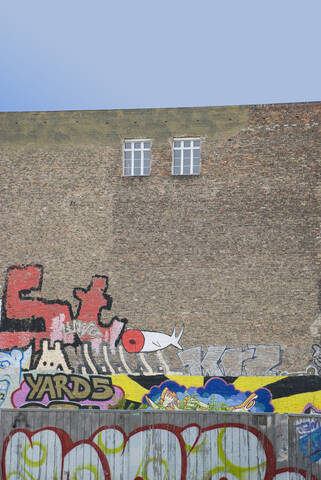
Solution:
(233, 254)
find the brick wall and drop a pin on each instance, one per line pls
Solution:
(233, 255)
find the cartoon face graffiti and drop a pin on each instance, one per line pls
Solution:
(135, 341)
(10, 364)
(10, 373)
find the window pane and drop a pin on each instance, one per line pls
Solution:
(127, 171)
(137, 154)
(137, 163)
(196, 169)
(137, 145)
(127, 163)
(177, 162)
(146, 154)
(176, 170)
(196, 143)
(177, 143)
(177, 154)
(146, 171)
(196, 153)
(146, 164)
(147, 145)
(128, 145)
(187, 143)
(137, 171)
(128, 155)
(186, 155)
(186, 169)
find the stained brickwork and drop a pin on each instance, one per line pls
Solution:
(233, 254)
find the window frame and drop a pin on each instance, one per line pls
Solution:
(132, 141)
(181, 149)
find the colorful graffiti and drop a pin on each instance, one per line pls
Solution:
(309, 431)
(67, 391)
(225, 451)
(52, 337)
(157, 392)
(216, 395)
(52, 356)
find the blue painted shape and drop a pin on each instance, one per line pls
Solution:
(310, 445)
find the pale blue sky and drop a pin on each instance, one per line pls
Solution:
(102, 54)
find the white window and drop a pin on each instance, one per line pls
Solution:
(186, 156)
(136, 158)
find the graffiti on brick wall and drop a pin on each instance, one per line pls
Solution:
(215, 395)
(64, 352)
(222, 360)
(226, 451)
(158, 392)
(51, 337)
(67, 391)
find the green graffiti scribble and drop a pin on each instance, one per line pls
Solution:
(197, 448)
(140, 467)
(155, 459)
(107, 450)
(90, 468)
(229, 467)
(40, 462)
(23, 477)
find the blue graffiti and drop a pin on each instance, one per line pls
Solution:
(310, 445)
(216, 394)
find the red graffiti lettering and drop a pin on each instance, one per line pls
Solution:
(26, 317)
(93, 300)
(21, 281)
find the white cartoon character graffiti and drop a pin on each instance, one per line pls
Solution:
(53, 359)
(135, 341)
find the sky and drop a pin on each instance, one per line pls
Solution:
(111, 54)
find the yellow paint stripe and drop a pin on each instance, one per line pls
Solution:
(253, 383)
(187, 380)
(296, 403)
(133, 391)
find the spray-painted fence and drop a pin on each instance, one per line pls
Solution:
(122, 445)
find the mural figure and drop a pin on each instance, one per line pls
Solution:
(135, 341)
(11, 364)
(216, 395)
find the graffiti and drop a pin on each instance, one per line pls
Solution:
(216, 395)
(49, 341)
(310, 438)
(311, 410)
(226, 451)
(307, 426)
(220, 360)
(25, 318)
(11, 364)
(53, 359)
(82, 342)
(51, 389)
(82, 328)
(85, 343)
(135, 341)
(63, 390)
(310, 445)
(316, 357)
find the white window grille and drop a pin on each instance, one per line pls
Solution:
(186, 156)
(136, 158)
